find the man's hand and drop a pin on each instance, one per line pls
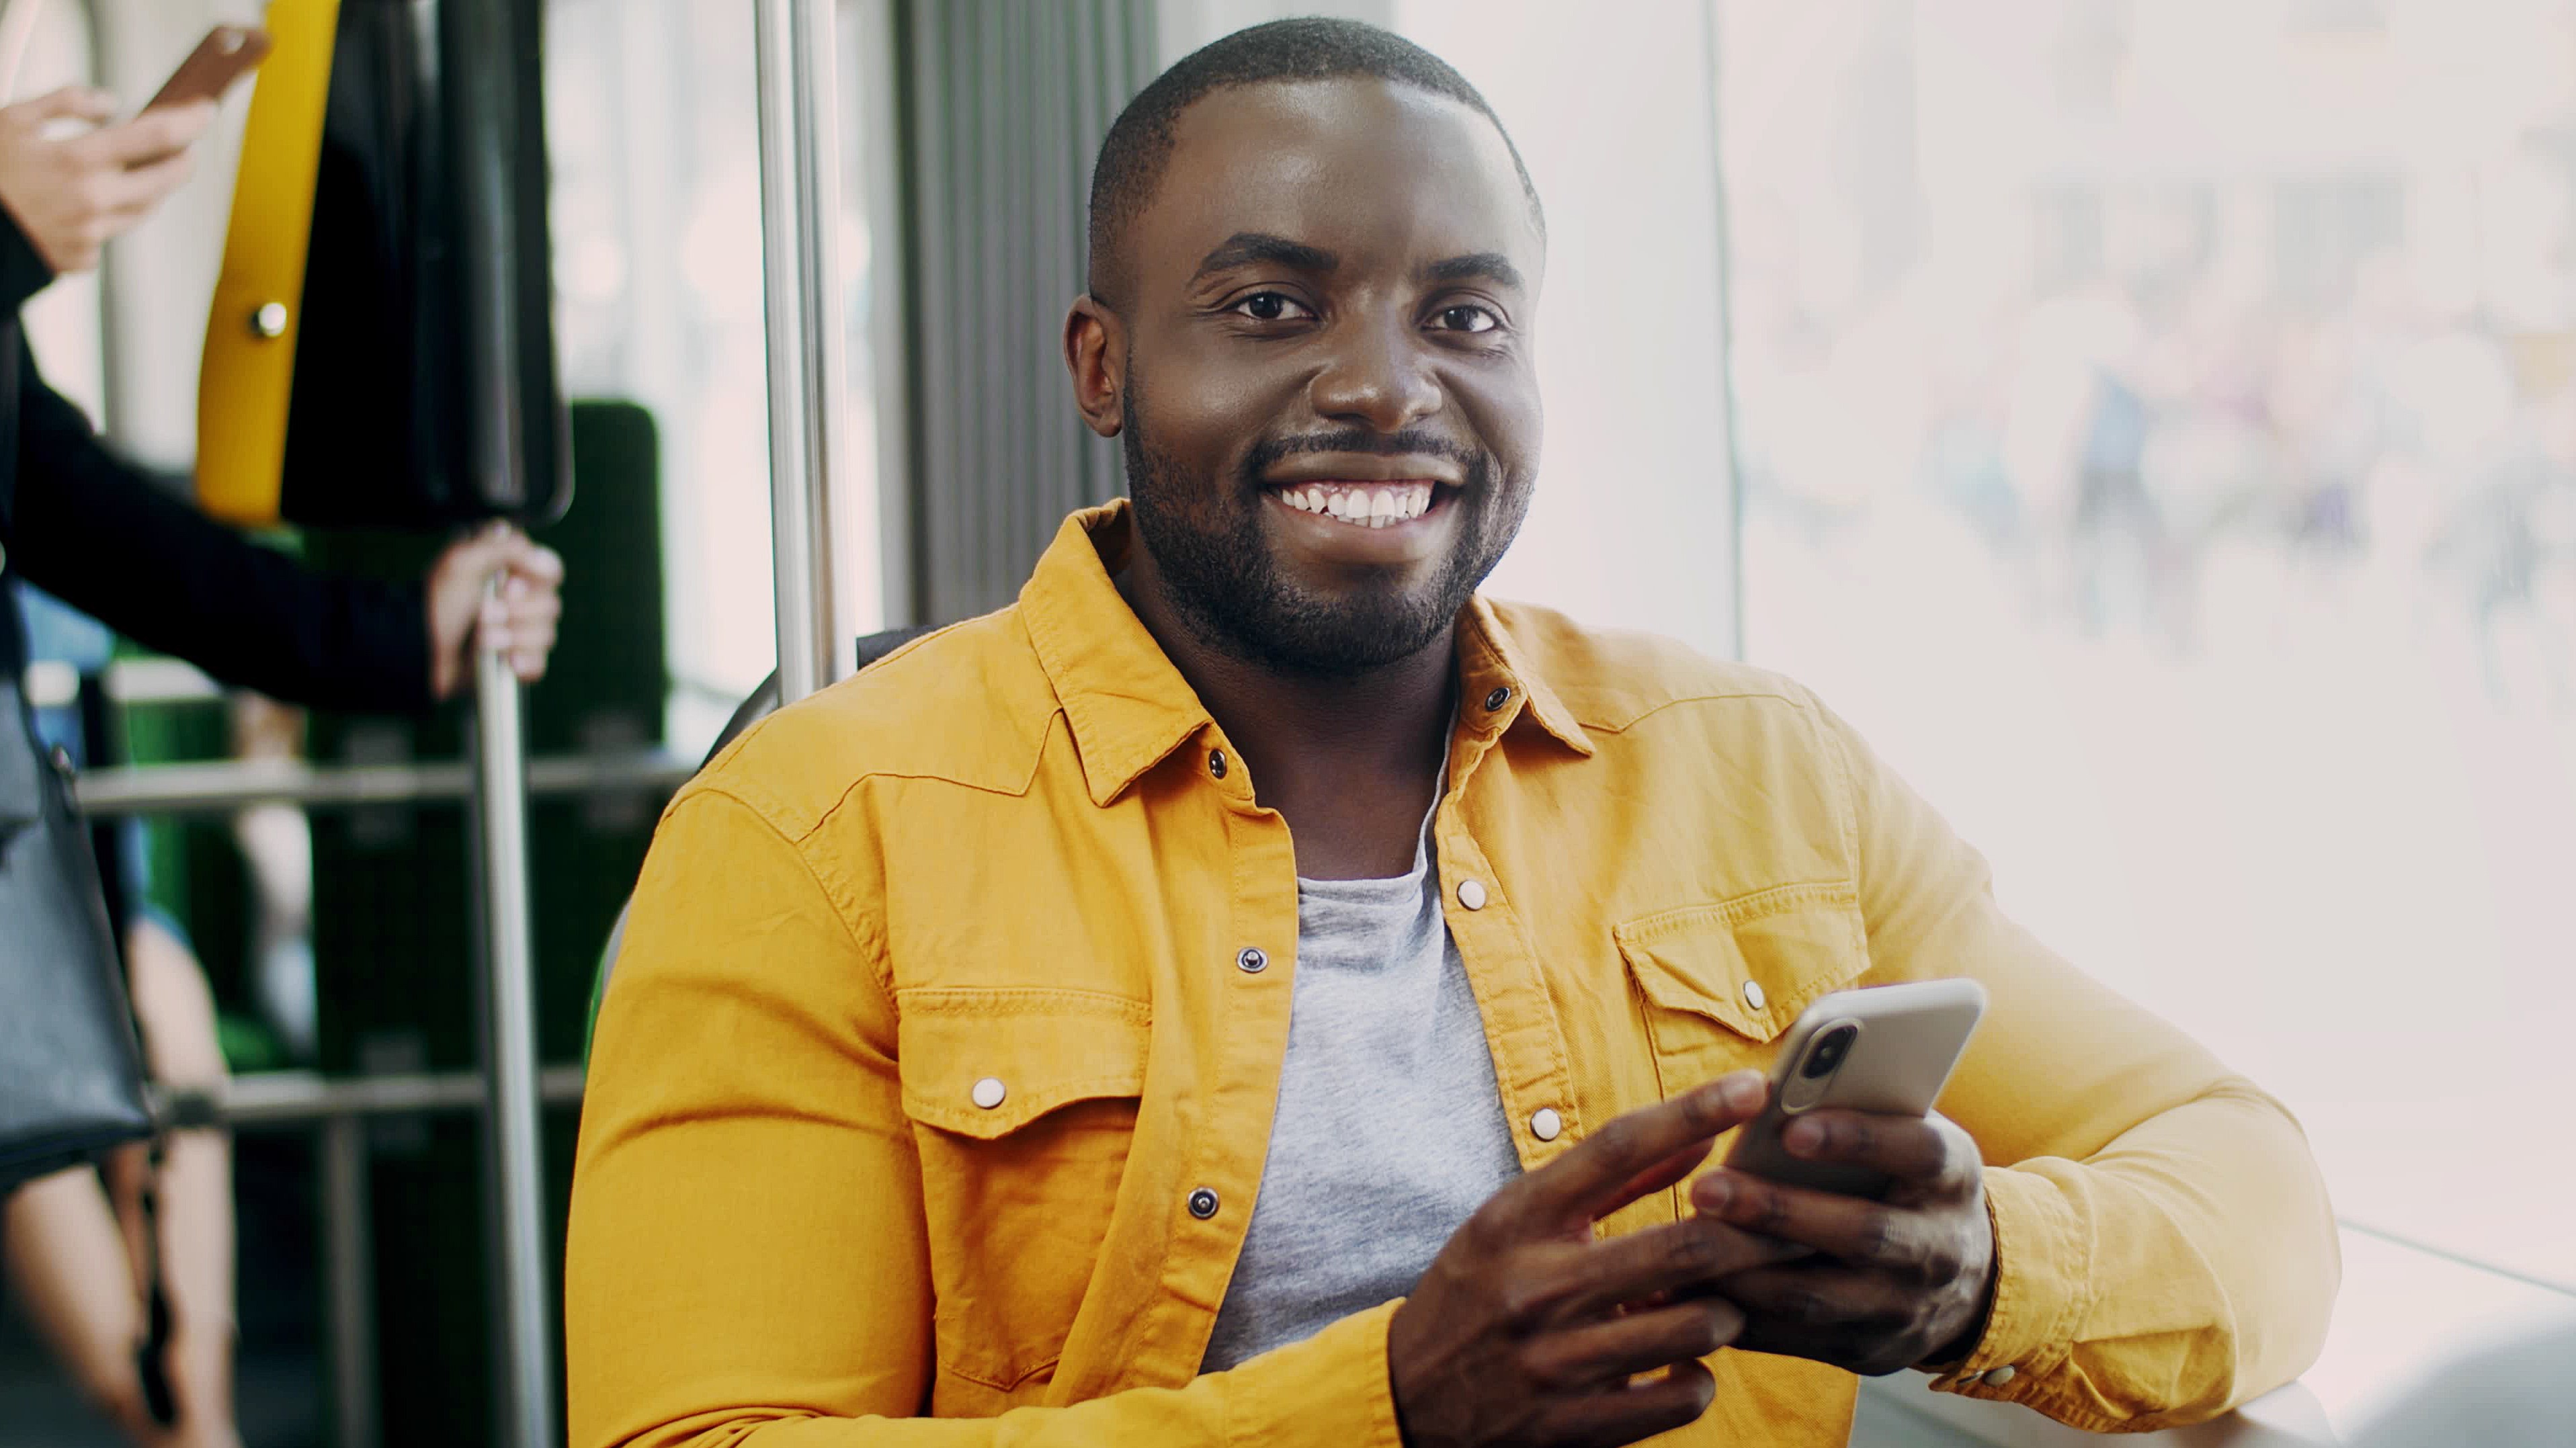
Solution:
(1525, 1330)
(1896, 1282)
(521, 621)
(70, 195)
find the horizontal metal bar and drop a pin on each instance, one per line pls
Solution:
(53, 684)
(303, 1098)
(221, 788)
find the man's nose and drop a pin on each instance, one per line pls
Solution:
(1377, 379)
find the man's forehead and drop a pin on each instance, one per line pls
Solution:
(1352, 156)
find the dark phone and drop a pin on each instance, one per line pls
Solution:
(228, 53)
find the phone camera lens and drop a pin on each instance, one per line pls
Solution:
(1830, 1049)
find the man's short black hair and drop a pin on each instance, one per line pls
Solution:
(1140, 141)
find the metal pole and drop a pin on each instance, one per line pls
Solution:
(512, 1147)
(350, 1262)
(801, 269)
(479, 46)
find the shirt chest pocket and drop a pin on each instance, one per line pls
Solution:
(1024, 1106)
(1718, 983)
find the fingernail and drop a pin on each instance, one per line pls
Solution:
(1803, 1137)
(1713, 1192)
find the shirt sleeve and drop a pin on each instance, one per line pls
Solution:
(23, 273)
(2164, 1246)
(93, 530)
(748, 1260)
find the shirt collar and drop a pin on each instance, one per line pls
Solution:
(1492, 671)
(1128, 707)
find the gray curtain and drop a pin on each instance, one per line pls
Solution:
(1002, 107)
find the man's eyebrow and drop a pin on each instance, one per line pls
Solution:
(1492, 266)
(1247, 247)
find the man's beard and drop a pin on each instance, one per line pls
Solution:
(1217, 568)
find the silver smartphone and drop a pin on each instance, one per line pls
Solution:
(1888, 1049)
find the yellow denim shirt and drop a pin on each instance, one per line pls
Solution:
(933, 1089)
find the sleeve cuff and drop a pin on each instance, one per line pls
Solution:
(2039, 1283)
(23, 273)
(1331, 1388)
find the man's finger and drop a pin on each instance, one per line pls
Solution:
(1909, 1148)
(1615, 1349)
(1852, 1229)
(1631, 1412)
(1675, 1257)
(1588, 1182)
(1802, 1302)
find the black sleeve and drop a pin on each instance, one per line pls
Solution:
(91, 529)
(22, 272)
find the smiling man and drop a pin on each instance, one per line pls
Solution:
(1255, 990)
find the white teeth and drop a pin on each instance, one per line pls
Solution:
(1360, 506)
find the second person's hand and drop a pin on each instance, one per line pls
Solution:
(1527, 1331)
(72, 194)
(463, 616)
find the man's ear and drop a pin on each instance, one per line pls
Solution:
(1095, 352)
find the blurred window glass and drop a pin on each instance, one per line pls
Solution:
(2158, 437)
(652, 131)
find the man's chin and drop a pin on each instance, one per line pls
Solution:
(1337, 632)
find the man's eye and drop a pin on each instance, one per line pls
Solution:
(1466, 319)
(1272, 307)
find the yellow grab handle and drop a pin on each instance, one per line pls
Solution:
(248, 376)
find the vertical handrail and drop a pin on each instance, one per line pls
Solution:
(799, 224)
(511, 1125)
(349, 1259)
(479, 45)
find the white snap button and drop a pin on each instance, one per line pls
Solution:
(1997, 1377)
(1471, 893)
(989, 1092)
(1545, 1123)
(1753, 994)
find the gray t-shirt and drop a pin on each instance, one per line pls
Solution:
(1390, 1129)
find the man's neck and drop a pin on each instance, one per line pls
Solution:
(1351, 761)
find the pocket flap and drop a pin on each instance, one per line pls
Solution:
(1788, 945)
(984, 1063)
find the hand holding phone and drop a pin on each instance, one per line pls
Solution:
(1847, 1160)
(1887, 1050)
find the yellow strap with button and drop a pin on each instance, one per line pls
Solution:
(248, 376)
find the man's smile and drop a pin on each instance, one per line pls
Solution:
(1361, 502)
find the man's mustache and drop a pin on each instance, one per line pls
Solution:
(1412, 442)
